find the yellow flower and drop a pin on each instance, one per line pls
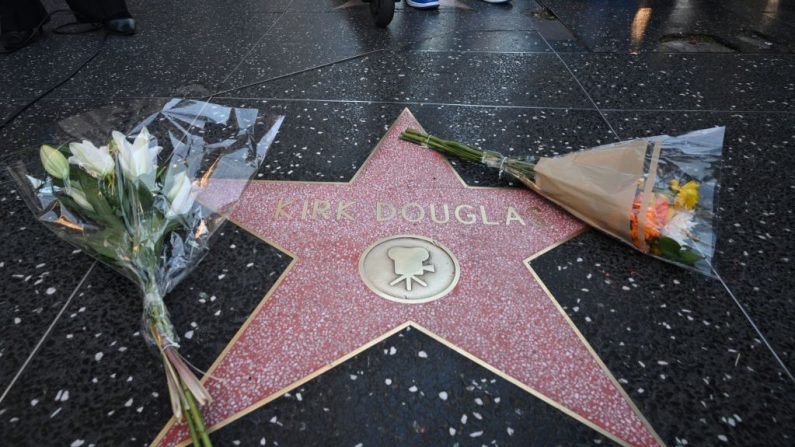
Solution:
(686, 195)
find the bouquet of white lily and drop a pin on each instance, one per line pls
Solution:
(133, 206)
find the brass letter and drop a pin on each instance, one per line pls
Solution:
(470, 217)
(420, 215)
(305, 210)
(320, 207)
(341, 213)
(512, 215)
(485, 218)
(446, 215)
(378, 212)
(280, 209)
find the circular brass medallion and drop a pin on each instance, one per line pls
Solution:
(409, 269)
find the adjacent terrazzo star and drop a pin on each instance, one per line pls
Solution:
(322, 310)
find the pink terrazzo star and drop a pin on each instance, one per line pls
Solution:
(321, 309)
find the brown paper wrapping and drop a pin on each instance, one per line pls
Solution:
(597, 185)
(648, 196)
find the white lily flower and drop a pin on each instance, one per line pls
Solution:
(678, 228)
(137, 160)
(78, 196)
(94, 160)
(181, 195)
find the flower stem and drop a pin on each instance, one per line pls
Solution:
(201, 439)
(191, 426)
(460, 150)
(523, 170)
(190, 408)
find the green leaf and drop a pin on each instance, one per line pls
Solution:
(110, 193)
(145, 197)
(162, 173)
(670, 249)
(146, 256)
(668, 246)
(111, 243)
(102, 210)
(67, 202)
(690, 256)
(76, 174)
(125, 208)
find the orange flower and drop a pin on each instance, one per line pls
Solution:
(656, 218)
(662, 208)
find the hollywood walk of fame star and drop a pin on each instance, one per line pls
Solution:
(320, 309)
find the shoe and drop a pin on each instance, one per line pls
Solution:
(121, 26)
(423, 4)
(14, 40)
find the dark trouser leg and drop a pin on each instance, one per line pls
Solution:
(19, 15)
(99, 10)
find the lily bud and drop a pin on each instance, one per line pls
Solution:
(181, 195)
(54, 162)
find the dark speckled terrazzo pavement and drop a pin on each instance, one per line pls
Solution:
(683, 352)
(408, 390)
(706, 364)
(756, 26)
(8, 108)
(100, 334)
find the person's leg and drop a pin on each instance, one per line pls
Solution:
(19, 15)
(111, 13)
(99, 10)
(20, 22)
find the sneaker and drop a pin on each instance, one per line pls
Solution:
(423, 4)
(125, 26)
(14, 40)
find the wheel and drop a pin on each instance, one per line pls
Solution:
(383, 11)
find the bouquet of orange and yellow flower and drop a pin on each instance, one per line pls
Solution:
(668, 222)
(656, 194)
(133, 205)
